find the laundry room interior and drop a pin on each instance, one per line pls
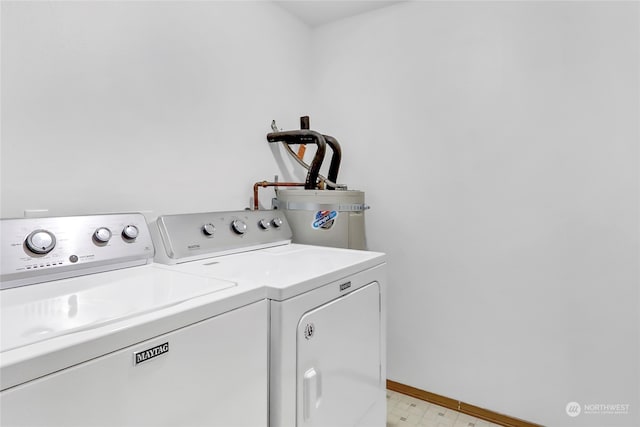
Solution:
(496, 143)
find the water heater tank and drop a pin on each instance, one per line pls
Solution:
(324, 217)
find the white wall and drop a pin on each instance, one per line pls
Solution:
(153, 106)
(498, 146)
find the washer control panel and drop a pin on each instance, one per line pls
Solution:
(187, 237)
(36, 250)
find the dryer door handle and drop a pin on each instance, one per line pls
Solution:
(312, 392)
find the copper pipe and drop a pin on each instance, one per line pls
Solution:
(265, 184)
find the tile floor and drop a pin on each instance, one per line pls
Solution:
(406, 411)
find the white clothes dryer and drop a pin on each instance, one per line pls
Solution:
(327, 311)
(93, 334)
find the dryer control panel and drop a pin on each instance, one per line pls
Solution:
(187, 237)
(36, 250)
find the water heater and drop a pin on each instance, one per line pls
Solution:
(324, 217)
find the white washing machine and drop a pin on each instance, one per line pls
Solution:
(93, 334)
(327, 311)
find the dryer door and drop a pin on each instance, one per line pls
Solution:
(339, 360)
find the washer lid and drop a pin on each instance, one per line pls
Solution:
(41, 312)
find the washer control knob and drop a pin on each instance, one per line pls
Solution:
(41, 242)
(208, 229)
(102, 235)
(130, 232)
(264, 224)
(277, 222)
(239, 226)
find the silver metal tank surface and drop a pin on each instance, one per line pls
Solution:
(325, 217)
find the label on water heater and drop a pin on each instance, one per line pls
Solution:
(324, 220)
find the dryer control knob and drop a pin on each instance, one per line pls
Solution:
(277, 222)
(130, 232)
(208, 229)
(239, 226)
(102, 235)
(264, 224)
(41, 242)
